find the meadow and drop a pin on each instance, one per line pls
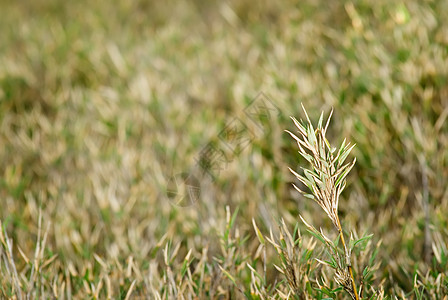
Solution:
(144, 154)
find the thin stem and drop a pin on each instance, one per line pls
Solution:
(347, 257)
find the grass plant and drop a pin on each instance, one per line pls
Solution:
(326, 179)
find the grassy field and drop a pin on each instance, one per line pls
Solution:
(144, 154)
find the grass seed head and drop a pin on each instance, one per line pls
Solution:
(326, 176)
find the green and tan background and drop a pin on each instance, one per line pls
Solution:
(102, 102)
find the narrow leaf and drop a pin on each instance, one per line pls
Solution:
(257, 231)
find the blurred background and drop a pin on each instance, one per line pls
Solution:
(131, 125)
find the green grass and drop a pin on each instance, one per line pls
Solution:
(101, 103)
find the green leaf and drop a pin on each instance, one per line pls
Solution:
(306, 156)
(316, 235)
(309, 196)
(331, 264)
(296, 232)
(321, 118)
(258, 233)
(363, 239)
(186, 263)
(309, 175)
(344, 154)
(341, 149)
(254, 271)
(373, 256)
(228, 275)
(311, 135)
(230, 225)
(365, 272)
(344, 174)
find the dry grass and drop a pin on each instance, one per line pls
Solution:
(102, 103)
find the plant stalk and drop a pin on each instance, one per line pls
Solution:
(347, 257)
